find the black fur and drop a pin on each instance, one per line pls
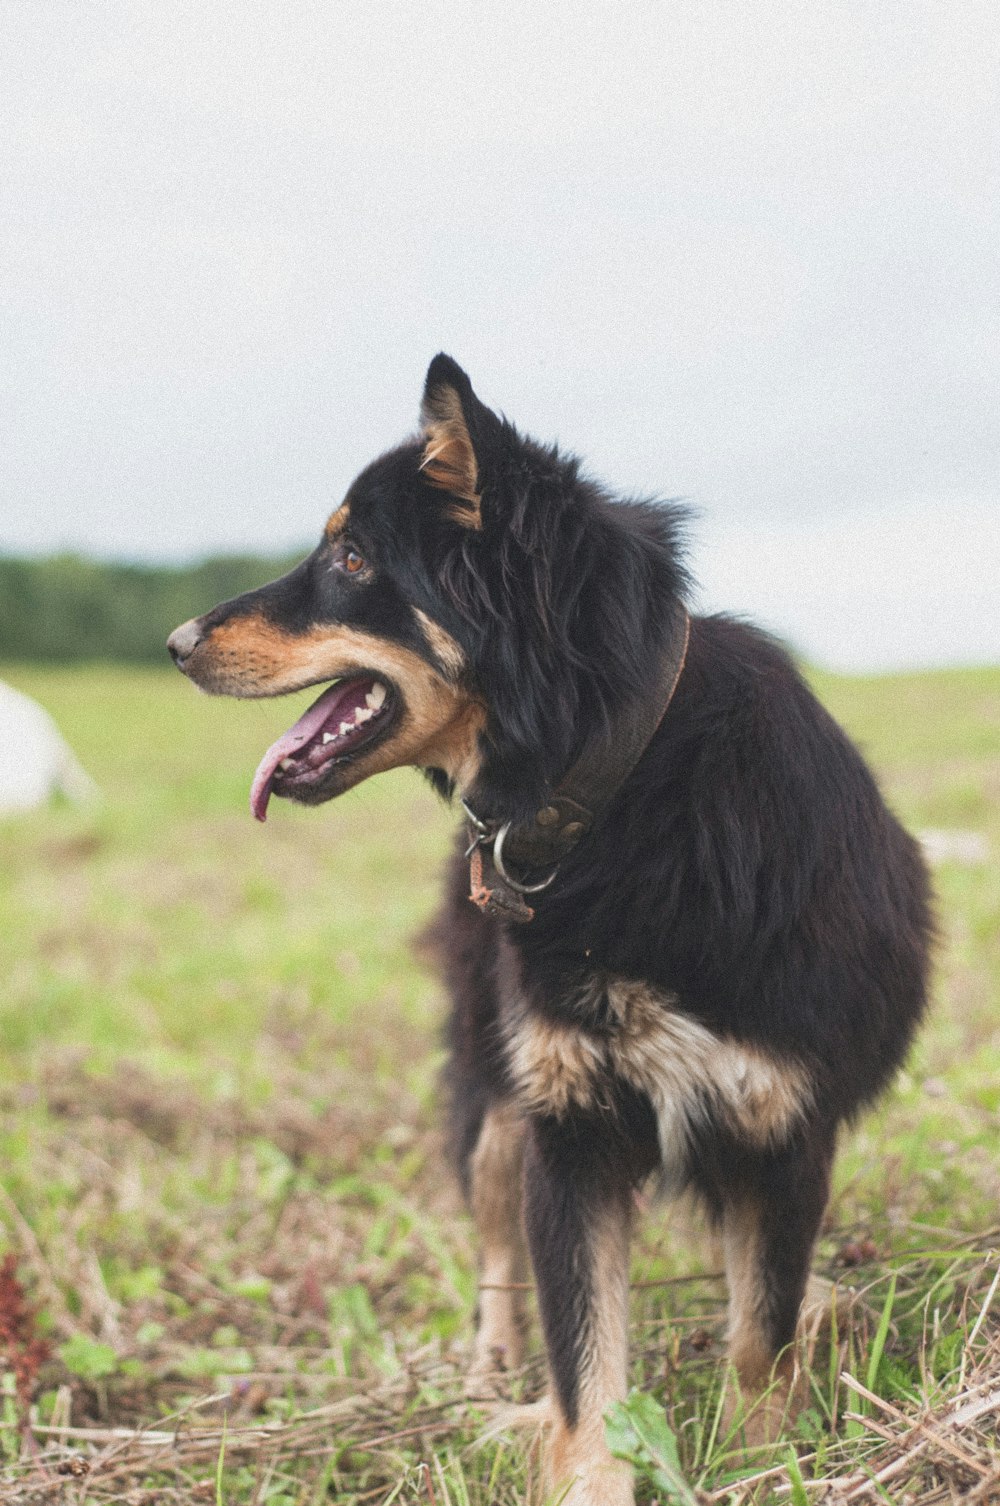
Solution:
(748, 867)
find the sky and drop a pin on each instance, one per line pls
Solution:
(746, 255)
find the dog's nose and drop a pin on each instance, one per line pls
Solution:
(184, 640)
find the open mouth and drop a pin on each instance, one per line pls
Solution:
(350, 715)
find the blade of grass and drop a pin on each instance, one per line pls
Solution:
(881, 1334)
(219, 1466)
(799, 1496)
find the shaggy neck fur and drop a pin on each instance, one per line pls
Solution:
(569, 606)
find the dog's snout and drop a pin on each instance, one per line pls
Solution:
(184, 640)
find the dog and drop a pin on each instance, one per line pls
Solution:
(698, 941)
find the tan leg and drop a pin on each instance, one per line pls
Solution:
(578, 1214)
(769, 1230)
(760, 1386)
(496, 1196)
(579, 1462)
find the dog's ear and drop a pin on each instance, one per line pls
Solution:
(457, 432)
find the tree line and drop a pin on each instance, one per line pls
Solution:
(68, 608)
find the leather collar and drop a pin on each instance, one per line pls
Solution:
(508, 861)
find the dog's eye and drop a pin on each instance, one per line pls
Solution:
(348, 558)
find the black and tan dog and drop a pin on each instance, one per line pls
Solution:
(699, 940)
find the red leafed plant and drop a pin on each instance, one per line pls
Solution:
(22, 1349)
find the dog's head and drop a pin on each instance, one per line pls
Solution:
(473, 607)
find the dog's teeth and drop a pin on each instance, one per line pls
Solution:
(375, 696)
(364, 714)
(286, 763)
(329, 737)
(344, 727)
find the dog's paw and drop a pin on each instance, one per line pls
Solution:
(488, 1377)
(581, 1471)
(757, 1415)
(610, 1487)
(757, 1420)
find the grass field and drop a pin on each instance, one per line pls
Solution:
(226, 1196)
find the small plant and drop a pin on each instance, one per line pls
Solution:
(637, 1430)
(87, 1358)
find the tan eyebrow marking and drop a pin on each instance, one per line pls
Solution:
(337, 522)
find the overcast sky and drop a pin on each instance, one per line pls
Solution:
(745, 254)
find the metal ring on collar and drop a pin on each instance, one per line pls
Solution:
(484, 829)
(512, 883)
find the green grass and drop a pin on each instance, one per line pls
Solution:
(222, 1173)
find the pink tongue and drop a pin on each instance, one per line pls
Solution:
(295, 738)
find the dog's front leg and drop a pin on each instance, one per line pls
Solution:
(578, 1201)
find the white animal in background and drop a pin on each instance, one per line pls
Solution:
(35, 760)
